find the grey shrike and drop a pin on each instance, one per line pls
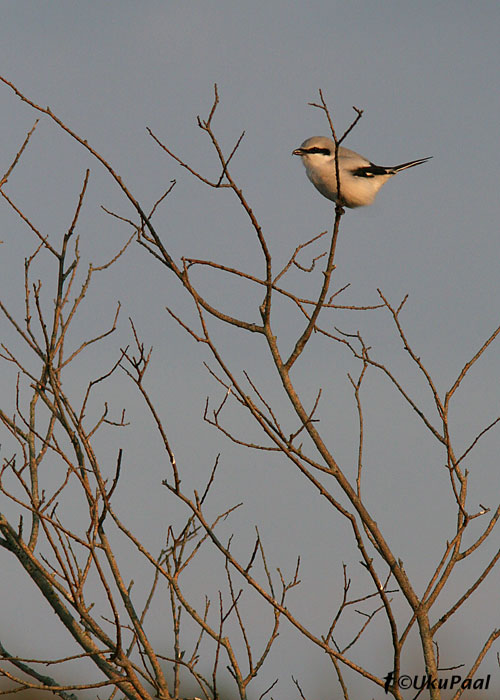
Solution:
(360, 180)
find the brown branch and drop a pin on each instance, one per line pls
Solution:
(5, 177)
(302, 341)
(469, 364)
(486, 647)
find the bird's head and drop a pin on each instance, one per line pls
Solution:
(316, 150)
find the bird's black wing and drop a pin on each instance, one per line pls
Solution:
(372, 170)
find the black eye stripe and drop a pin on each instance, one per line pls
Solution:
(315, 149)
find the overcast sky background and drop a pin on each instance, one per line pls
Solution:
(426, 75)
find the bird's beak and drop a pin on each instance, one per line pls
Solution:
(298, 152)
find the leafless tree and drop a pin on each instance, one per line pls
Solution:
(74, 559)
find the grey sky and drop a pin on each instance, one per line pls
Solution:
(426, 75)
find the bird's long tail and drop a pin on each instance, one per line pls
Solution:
(405, 166)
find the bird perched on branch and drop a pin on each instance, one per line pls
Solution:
(360, 180)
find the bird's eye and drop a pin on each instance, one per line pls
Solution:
(323, 151)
